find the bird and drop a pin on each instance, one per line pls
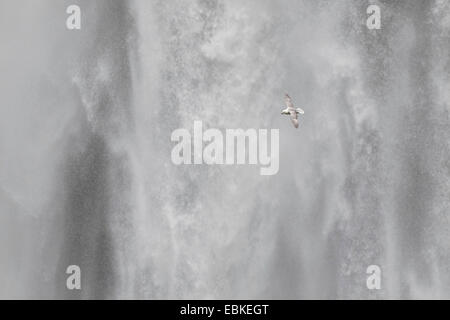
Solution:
(291, 110)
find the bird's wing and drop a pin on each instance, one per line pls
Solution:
(294, 117)
(288, 101)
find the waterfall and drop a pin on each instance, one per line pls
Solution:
(86, 176)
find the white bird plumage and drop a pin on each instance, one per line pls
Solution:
(291, 110)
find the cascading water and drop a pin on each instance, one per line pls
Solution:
(86, 176)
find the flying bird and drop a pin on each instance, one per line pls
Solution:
(291, 110)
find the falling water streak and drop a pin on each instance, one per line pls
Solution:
(100, 175)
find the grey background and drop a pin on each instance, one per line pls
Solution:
(85, 170)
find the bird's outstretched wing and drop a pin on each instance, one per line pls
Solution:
(288, 101)
(294, 117)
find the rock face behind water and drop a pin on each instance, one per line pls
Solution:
(86, 176)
